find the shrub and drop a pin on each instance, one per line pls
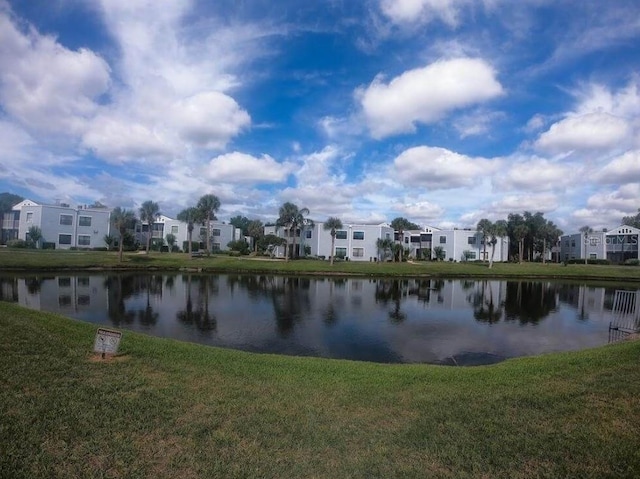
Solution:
(17, 243)
(589, 261)
(239, 246)
(49, 245)
(632, 262)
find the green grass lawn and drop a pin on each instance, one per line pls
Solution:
(169, 409)
(15, 259)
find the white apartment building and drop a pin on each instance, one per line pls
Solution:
(62, 226)
(616, 245)
(221, 233)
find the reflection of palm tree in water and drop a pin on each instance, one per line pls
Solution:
(392, 291)
(485, 309)
(148, 316)
(290, 302)
(201, 318)
(529, 301)
(119, 288)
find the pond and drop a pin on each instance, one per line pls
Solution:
(457, 322)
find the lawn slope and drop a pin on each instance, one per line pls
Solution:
(169, 409)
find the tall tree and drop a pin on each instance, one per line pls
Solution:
(208, 206)
(484, 228)
(332, 225)
(292, 218)
(242, 223)
(122, 220)
(8, 201)
(190, 216)
(255, 230)
(497, 230)
(586, 231)
(149, 211)
(35, 235)
(401, 225)
(550, 236)
(535, 225)
(633, 220)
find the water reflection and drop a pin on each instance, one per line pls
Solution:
(389, 320)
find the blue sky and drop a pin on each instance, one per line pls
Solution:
(441, 111)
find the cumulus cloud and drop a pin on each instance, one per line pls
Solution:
(44, 86)
(623, 199)
(422, 11)
(623, 169)
(425, 95)
(438, 168)
(535, 174)
(544, 202)
(423, 211)
(591, 131)
(239, 167)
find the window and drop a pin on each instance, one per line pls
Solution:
(307, 234)
(203, 231)
(174, 230)
(358, 253)
(84, 300)
(64, 282)
(84, 240)
(29, 217)
(593, 256)
(406, 240)
(341, 252)
(415, 239)
(64, 300)
(443, 239)
(388, 236)
(216, 246)
(358, 235)
(341, 234)
(66, 220)
(84, 220)
(573, 243)
(471, 240)
(83, 281)
(472, 255)
(216, 232)
(64, 239)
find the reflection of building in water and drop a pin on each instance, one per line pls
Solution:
(63, 294)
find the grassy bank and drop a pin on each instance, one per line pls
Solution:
(171, 409)
(21, 260)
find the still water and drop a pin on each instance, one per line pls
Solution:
(381, 320)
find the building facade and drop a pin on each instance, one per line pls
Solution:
(617, 245)
(62, 226)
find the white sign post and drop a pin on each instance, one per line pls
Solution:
(107, 341)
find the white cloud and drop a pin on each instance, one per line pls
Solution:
(477, 123)
(423, 211)
(536, 174)
(626, 198)
(599, 131)
(118, 139)
(544, 202)
(623, 169)
(209, 119)
(425, 95)
(44, 86)
(422, 11)
(438, 168)
(239, 167)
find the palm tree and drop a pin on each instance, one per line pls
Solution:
(401, 225)
(520, 232)
(208, 206)
(497, 230)
(332, 225)
(586, 231)
(256, 231)
(291, 218)
(122, 219)
(189, 216)
(484, 227)
(149, 211)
